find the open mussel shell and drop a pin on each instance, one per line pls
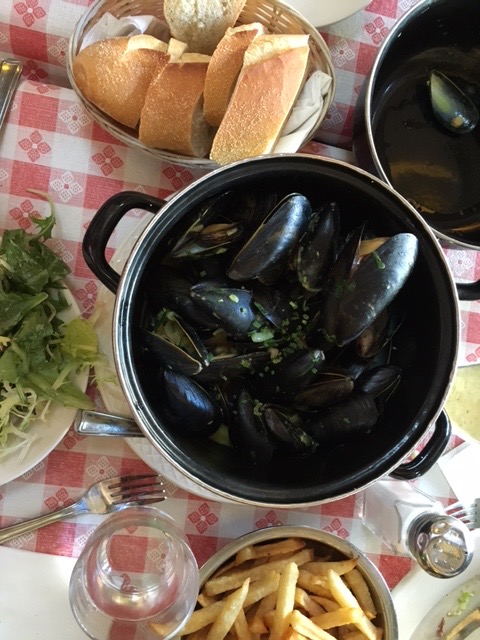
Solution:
(174, 344)
(451, 106)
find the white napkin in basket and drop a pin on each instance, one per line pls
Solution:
(304, 112)
(110, 27)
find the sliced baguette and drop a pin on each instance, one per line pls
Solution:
(172, 116)
(201, 23)
(224, 68)
(114, 74)
(275, 67)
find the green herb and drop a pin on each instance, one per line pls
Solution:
(378, 261)
(40, 356)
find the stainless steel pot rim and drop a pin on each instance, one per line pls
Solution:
(148, 241)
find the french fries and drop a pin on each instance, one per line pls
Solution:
(284, 591)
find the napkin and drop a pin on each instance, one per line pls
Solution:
(111, 27)
(304, 113)
(461, 468)
(34, 596)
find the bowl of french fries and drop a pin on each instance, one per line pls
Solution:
(291, 583)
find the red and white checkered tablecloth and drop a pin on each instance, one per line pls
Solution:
(51, 144)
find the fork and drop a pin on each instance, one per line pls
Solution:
(102, 497)
(469, 514)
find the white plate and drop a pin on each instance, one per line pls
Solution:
(323, 12)
(49, 431)
(419, 593)
(111, 391)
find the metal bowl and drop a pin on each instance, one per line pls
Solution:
(327, 544)
(398, 137)
(425, 345)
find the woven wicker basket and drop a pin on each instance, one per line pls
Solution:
(273, 14)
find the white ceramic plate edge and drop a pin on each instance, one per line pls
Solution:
(111, 392)
(50, 431)
(418, 592)
(321, 13)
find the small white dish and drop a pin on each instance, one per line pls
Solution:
(109, 386)
(421, 600)
(323, 12)
(50, 431)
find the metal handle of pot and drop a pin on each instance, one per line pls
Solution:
(430, 453)
(103, 225)
(96, 423)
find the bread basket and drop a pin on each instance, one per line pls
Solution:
(274, 15)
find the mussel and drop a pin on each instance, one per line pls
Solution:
(188, 406)
(248, 433)
(266, 252)
(374, 284)
(175, 344)
(451, 106)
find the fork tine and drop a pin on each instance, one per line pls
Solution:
(141, 489)
(119, 481)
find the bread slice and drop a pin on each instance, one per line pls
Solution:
(224, 68)
(275, 67)
(172, 117)
(201, 23)
(115, 74)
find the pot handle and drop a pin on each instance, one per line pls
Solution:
(468, 290)
(102, 226)
(430, 453)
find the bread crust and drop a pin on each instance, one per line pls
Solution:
(172, 116)
(201, 23)
(224, 69)
(115, 74)
(261, 103)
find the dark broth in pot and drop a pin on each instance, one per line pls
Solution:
(437, 170)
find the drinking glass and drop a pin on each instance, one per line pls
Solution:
(136, 569)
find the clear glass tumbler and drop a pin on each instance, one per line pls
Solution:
(136, 569)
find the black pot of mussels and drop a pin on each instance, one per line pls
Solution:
(417, 119)
(285, 330)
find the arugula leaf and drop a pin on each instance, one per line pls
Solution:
(15, 306)
(33, 266)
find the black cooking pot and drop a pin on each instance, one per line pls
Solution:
(425, 345)
(398, 137)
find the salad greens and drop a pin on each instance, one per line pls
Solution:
(40, 356)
